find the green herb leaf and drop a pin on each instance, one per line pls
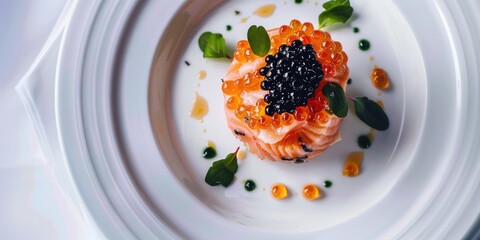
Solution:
(212, 45)
(371, 113)
(222, 171)
(259, 40)
(334, 3)
(336, 99)
(335, 11)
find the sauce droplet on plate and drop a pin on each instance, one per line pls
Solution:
(351, 168)
(202, 75)
(241, 155)
(265, 11)
(199, 108)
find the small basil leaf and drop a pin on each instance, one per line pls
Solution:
(222, 171)
(333, 3)
(259, 40)
(212, 45)
(371, 113)
(336, 99)
(203, 40)
(334, 15)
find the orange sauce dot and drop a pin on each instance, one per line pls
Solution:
(279, 191)
(311, 192)
(379, 78)
(233, 102)
(265, 11)
(351, 168)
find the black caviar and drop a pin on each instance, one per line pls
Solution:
(291, 77)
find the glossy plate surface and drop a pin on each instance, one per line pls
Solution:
(124, 94)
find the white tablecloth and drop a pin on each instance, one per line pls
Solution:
(33, 204)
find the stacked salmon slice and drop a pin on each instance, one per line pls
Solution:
(271, 106)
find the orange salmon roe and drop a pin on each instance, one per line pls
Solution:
(330, 53)
(233, 102)
(279, 191)
(311, 192)
(379, 78)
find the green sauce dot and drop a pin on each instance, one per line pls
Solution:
(229, 27)
(209, 153)
(364, 141)
(298, 1)
(327, 183)
(250, 185)
(349, 81)
(364, 45)
(356, 30)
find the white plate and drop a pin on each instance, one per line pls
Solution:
(123, 95)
